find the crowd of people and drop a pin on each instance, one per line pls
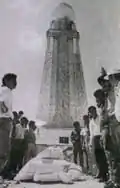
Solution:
(101, 132)
(17, 133)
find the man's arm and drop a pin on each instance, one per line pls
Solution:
(72, 137)
(4, 95)
(101, 79)
(3, 107)
(91, 132)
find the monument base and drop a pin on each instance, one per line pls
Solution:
(61, 120)
(53, 136)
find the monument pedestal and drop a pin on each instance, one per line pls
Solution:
(61, 120)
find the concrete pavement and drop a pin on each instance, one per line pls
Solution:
(89, 183)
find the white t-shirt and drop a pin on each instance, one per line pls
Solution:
(19, 131)
(94, 128)
(117, 103)
(6, 97)
(84, 131)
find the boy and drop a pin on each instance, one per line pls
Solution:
(76, 141)
(30, 139)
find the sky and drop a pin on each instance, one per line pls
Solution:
(23, 25)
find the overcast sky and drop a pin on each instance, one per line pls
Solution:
(23, 24)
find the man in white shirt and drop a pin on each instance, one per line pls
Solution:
(8, 84)
(95, 136)
(85, 142)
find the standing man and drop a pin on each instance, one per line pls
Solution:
(9, 82)
(114, 124)
(76, 141)
(85, 141)
(95, 142)
(101, 101)
(108, 89)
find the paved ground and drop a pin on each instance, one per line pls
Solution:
(89, 183)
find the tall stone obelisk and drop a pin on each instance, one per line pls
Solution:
(63, 94)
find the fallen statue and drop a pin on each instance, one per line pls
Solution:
(50, 166)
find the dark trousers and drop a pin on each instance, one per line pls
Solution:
(85, 159)
(30, 152)
(17, 154)
(77, 150)
(15, 158)
(5, 128)
(100, 157)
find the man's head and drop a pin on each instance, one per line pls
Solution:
(20, 114)
(100, 97)
(105, 84)
(86, 120)
(76, 125)
(114, 78)
(92, 112)
(24, 122)
(15, 114)
(32, 125)
(9, 80)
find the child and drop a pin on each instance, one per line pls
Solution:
(31, 142)
(76, 141)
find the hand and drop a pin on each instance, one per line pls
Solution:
(103, 71)
(90, 146)
(101, 141)
(4, 109)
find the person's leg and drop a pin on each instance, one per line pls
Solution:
(75, 152)
(5, 126)
(95, 153)
(80, 155)
(33, 151)
(28, 153)
(86, 161)
(10, 166)
(101, 159)
(25, 152)
(21, 154)
(15, 155)
(102, 163)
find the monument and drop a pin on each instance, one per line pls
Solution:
(63, 94)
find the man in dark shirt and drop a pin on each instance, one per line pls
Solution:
(76, 141)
